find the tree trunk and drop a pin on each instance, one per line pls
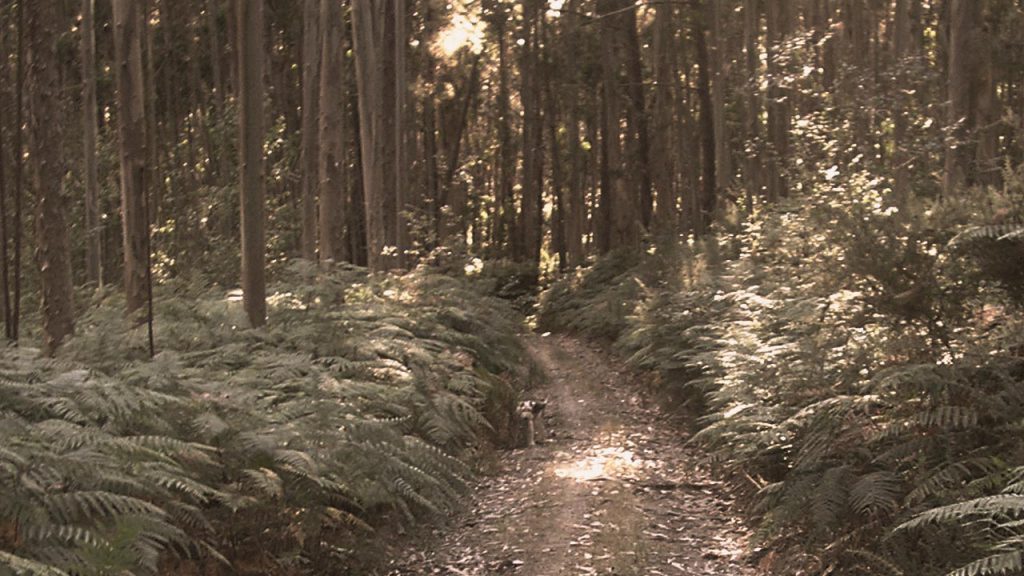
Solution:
(751, 33)
(19, 168)
(505, 227)
(705, 214)
(333, 132)
(132, 142)
(719, 72)
(778, 100)
(662, 159)
(970, 99)
(53, 250)
(251, 132)
(89, 129)
(5, 264)
(620, 202)
(311, 89)
(376, 35)
(640, 142)
(528, 244)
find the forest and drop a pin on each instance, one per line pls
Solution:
(278, 278)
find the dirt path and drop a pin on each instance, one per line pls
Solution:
(611, 491)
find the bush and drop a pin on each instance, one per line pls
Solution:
(275, 450)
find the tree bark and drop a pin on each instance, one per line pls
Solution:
(620, 202)
(778, 100)
(376, 34)
(311, 90)
(132, 122)
(93, 256)
(528, 241)
(705, 214)
(662, 158)
(333, 133)
(251, 132)
(752, 126)
(969, 95)
(53, 250)
(719, 72)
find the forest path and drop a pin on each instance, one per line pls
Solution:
(612, 490)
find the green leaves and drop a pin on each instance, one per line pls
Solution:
(275, 440)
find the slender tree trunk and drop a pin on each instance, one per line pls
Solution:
(311, 89)
(621, 203)
(132, 142)
(751, 33)
(719, 67)
(53, 250)
(333, 133)
(779, 105)
(93, 256)
(5, 279)
(528, 244)
(640, 142)
(19, 168)
(506, 226)
(251, 131)
(705, 214)
(902, 47)
(376, 33)
(662, 157)
(576, 194)
(969, 87)
(401, 171)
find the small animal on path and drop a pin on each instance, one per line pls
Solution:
(532, 412)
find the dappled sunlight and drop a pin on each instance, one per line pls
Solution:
(614, 459)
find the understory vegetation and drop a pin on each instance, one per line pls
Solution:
(252, 451)
(857, 360)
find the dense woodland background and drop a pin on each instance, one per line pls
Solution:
(803, 218)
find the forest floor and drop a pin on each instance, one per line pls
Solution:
(612, 490)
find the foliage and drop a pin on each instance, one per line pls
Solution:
(858, 374)
(274, 450)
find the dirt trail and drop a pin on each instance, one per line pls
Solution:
(611, 491)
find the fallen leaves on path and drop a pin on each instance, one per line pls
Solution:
(613, 490)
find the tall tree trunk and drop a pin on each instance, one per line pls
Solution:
(528, 244)
(778, 99)
(311, 89)
(903, 45)
(719, 68)
(620, 202)
(752, 125)
(93, 256)
(251, 131)
(705, 214)
(5, 263)
(375, 33)
(505, 227)
(19, 168)
(969, 95)
(53, 250)
(662, 157)
(401, 171)
(333, 133)
(576, 194)
(640, 142)
(132, 142)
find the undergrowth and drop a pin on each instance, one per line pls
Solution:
(859, 363)
(241, 451)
